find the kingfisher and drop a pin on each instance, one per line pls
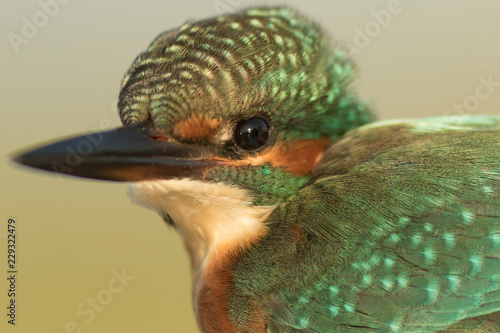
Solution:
(299, 213)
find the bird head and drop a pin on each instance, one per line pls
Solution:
(262, 92)
(249, 101)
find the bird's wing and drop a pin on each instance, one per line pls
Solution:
(397, 231)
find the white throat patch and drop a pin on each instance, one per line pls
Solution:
(212, 218)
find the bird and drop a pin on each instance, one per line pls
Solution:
(299, 211)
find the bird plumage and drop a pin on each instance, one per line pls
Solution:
(244, 133)
(398, 230)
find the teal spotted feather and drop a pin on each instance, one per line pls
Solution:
(399, 232)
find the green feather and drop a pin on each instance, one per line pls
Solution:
(401, 230)
(261, 61)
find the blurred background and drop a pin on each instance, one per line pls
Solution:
(61, 63)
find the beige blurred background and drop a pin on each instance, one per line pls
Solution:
(73, 233)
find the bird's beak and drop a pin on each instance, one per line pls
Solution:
(129, 153)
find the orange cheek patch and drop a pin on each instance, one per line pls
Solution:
(299, 157)
(196, 127)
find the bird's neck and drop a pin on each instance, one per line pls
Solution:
(215, 220)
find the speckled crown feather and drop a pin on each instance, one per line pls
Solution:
(269, 61)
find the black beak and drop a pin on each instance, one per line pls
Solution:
(129, 153)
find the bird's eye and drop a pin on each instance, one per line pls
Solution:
(251, 134)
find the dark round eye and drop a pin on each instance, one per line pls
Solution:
(251, 134)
